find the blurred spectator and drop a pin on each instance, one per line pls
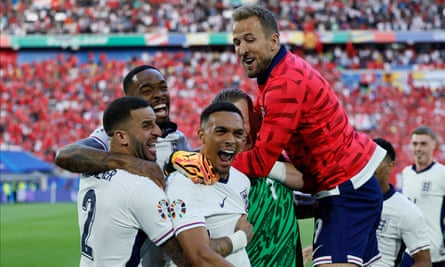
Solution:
(47, 104)
(135, 16)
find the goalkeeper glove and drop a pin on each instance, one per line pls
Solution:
(193, 165)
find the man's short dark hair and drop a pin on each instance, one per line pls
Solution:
(424, 130)
(390, 151)
(119, 111)
(128, 80)
(265, 16)
(217, 107)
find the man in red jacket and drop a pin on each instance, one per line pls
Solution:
(302, 116)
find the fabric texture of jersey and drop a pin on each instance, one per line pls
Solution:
(112, 207)
(216, 207)
(271, 208)
(345, 226)
(427, 190)
(172, 140)
(401, 221)
(165, 146)
(302, 115)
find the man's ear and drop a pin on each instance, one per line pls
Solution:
(201, 135)
(435, 144)
(275, 42)
(121, 136)
(392, 164)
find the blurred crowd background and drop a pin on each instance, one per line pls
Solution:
(52, 101)
(188, 16)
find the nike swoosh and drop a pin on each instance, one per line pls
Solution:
(223, 202)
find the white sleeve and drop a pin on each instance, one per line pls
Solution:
(150, 206)
(414, 230)
(101, 137)
(185, 203)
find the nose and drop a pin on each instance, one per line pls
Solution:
(242, 49)
(161, 95)
(230, 139)
(156, 131)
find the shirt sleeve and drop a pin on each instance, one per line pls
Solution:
(414, 231)
(101, 138)
(281, 111)
(149, 205)
(186, 203)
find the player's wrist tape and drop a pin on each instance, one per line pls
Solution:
(239, 240)
(278, 171)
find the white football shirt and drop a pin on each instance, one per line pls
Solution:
(401, 220)
(165, 146)
(216, 207)
(427, 190)
(112, 207)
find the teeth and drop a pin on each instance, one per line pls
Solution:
(228, 151)
(160, 106)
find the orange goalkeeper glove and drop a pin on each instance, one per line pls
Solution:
(193, 165)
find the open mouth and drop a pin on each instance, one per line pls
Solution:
(161, 110)
(248, 61)
(226, 156)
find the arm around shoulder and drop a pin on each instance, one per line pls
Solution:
(87, 156)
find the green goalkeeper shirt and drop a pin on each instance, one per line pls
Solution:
(276, 235)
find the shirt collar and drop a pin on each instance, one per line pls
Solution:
(424, 170)
(390, 192)
(262, 79)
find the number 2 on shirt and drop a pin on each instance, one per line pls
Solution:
(88, 205)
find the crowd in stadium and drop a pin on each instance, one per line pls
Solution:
(58, 103)
(128, 16)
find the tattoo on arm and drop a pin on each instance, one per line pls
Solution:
(175, 252)
(85, 155)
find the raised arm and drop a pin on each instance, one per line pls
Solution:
(88, 156)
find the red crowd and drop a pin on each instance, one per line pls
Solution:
(50, 103)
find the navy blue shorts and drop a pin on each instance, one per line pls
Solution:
(345, 225)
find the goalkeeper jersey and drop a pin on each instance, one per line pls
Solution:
(302, 116)
(271, 210)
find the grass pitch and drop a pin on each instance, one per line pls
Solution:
(37, 235)
(47, 235)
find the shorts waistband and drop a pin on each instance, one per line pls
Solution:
(359, 179)
(353, 183)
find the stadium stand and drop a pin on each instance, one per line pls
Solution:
(53, 96)
(124, 16)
